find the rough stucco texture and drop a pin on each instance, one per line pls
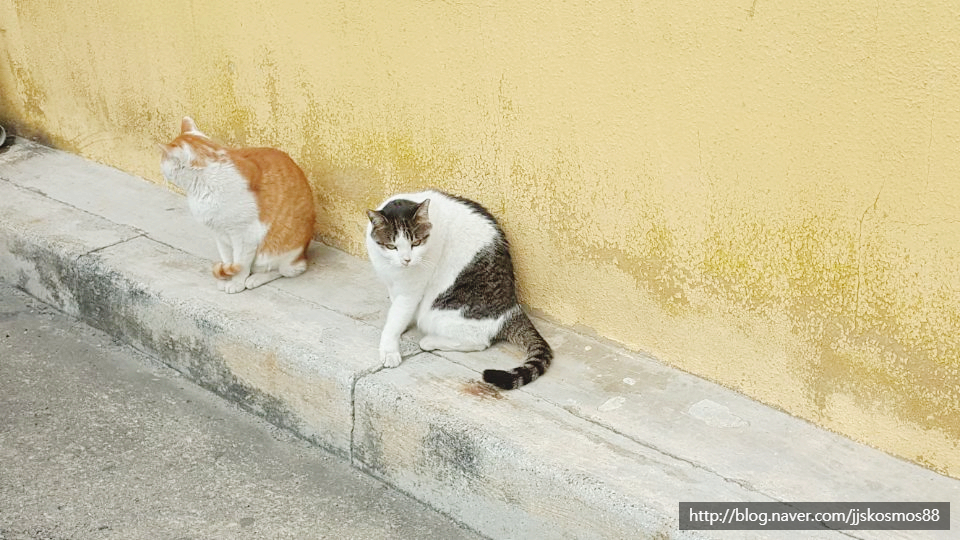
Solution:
(763, 194)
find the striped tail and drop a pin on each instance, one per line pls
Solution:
(520, 331)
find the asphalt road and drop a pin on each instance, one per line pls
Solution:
(100, 441)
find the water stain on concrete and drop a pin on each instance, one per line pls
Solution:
(481, 390)
(451, 453)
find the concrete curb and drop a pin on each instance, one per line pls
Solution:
(605, 446)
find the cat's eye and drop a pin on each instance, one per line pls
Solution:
(416, 242)
(390, 246)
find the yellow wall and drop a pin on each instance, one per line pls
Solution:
(765, 194)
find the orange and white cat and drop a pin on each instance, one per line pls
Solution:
(257, 202)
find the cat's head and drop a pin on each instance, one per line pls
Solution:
(189, 153)
(401, 230)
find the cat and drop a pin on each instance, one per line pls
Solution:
(257, 202)
(446, 264)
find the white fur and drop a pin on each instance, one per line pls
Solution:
(267, 268)
(416, 275)
(219, 197)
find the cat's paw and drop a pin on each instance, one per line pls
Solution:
(390, 359)
(260, 278)
(234, 286)
(294, 269)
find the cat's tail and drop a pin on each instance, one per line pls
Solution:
(519, 330)
(225, 271)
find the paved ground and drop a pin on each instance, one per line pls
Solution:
(99, 441)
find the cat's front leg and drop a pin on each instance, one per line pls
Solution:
(224, 249)
(399, 317)
(244, 253)
(224, 269)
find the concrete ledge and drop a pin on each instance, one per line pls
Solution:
(518, 465)
(605, 446)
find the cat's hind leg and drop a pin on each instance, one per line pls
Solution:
(449, 331)
(267, 268)
(260, 278)
(442, 343)
(294, 269)
(293, 263)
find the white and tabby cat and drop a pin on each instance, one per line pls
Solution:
(447, 266)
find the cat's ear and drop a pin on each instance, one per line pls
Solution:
(376, 218)
(421, 221)
(423, 211)
(187, 125)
